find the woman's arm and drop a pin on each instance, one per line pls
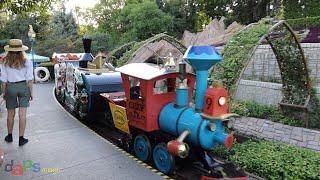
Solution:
(29, 78)
(30, 86)
(4, 79)
(3, 88)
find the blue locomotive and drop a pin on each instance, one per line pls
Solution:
(157, 112)
(153, 108)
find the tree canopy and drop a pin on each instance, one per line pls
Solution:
(112, 23)
(24, 6)
(139, 21)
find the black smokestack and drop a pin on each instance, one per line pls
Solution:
(87, 45)
(87, 56)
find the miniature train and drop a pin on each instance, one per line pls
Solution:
(152, 106)
(79, 82)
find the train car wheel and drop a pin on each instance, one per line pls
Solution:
(162, 159)
(142, 147)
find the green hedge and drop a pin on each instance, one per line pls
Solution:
(273, 160)
(253, 109)
(304, 22)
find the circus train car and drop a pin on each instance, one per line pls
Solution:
(155, 110)
(80, 81)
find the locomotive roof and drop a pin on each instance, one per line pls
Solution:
(144, 71)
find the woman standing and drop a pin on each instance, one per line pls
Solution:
(16, 75)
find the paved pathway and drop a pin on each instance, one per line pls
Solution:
(58, 142)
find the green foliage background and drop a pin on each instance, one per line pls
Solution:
(305, 22)
(254, 109)
(293, 9)
(273, 160)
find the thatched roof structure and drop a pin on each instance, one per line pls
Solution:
(153, 52)
(215, 33)
(157, 48)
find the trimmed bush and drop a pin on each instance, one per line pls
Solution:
(272, 113)
(304, 22)
(273, 160)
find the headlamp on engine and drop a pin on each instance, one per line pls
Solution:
(222, 100)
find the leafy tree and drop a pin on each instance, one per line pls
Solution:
(103, 13)
(312, 8)
(101, 42)
(292, 9)
(214, 8)
(61, 34)
(128, 20)
(85, 29)
(64, 25)
(248, 11)
(184, 14)
(18, 27)
(25, 6)
(140, 21)
(61, 45)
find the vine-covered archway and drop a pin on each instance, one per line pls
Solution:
(297, 92)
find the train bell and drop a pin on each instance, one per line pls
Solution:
(169, 63)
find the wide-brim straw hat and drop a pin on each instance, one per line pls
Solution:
(15, 45)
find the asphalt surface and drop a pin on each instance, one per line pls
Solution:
(60, 147)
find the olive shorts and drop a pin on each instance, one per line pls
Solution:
(17, 95)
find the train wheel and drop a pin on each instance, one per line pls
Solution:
(142, 147)
(162, 159)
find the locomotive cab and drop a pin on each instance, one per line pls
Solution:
(147, 89)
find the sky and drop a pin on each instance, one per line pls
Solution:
(71, 4)
(83, 4)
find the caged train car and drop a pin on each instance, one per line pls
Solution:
(162, 124)
(79, 83)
